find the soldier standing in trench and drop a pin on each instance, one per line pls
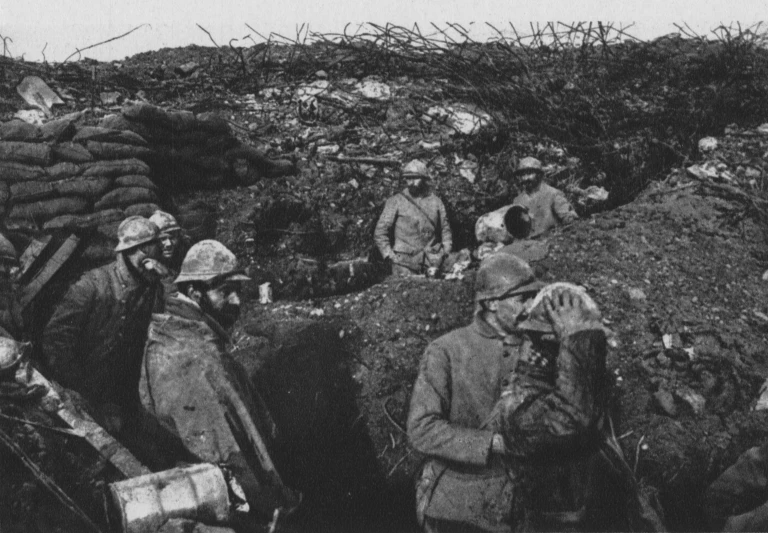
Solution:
(417, 219)
(511, 425)
(94, 341)
(191, 383)
(547, 206)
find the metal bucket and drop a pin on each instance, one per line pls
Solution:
(197, 492)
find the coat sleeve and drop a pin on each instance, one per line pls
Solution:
(563, 209)
(63, 333)
(544, 420)
(447, 236)
(429, 429)
(383, 227)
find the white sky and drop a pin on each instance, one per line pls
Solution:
(69, 24)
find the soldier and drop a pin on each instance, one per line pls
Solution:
(190, 381)
(465, 484)
(95, 339)
(508, 411)
(173, 249)
(11, 322)
(547, 206)
(417, 219)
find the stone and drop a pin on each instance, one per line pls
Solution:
(693, 399)
(665, 401)
(636, 295)
(707, 144)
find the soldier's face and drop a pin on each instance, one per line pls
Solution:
(529, 181)
(169, 242)
(224, 302)
(417, 185)
(510, 310)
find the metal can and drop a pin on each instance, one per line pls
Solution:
(265, 293)
(143, 504)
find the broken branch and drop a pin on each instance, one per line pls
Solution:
(365, 160)
(79, 50)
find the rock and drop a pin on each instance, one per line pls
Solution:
(461, 119)
(110, 98)
(636, 295)
(752, 173)
(763, 129)
(186, 69)
(762, 400)
(765, 275)
(328, 149)
(321, 74)
(703, 172)
(666, 402)
(373, 90)
(37, 93)
(31, 116)
(696, 401)
(707, 144)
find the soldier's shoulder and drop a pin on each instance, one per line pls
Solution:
(453, 338)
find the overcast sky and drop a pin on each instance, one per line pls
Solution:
(66, 25)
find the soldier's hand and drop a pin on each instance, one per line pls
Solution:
(568, 314)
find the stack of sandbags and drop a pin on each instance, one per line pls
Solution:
(195, 151)
(85, 179)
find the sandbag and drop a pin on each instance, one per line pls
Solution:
(125, 196)
(141, 210)
(24, 152)
(108, 230)
(61, 171)
(72, 152)
(48, 209)
(104, 150)
(21, 225)
(120, 167)
(90, 220)
(147, 114)
(199, 224)
(212, 122)
(109, 135)
(5, 192)
(58, 130)
(136, 180)
(98, 253)
(27, 191)
(19, 172)
(119, 122)
(18, 130)
(87, 187)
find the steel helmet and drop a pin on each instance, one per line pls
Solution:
(538, 320)
(208, 260)
(7, 250)
(529, 164)
(502, 275)
(165, 222)
(135, 231)
(416, 168)
(11, 354)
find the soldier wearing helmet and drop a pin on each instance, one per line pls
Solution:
(413, 231)
(11, 322)
(189, 379)
(170, 239)
(94, 341)
(547, 206)
(498, 401)
(172, 245)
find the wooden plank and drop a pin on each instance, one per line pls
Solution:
(86, 427)
(52, 266)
